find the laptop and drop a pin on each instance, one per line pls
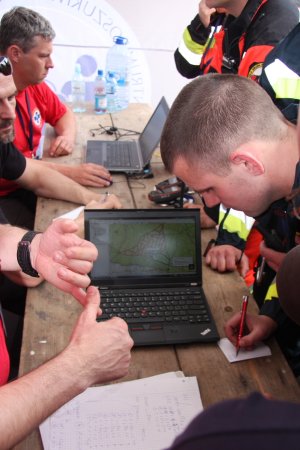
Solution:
(130, 156)
(149, 273)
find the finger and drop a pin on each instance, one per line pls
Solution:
(75, 265)
(56, 148)
(72, 278)
(120, 323)
(79, 294)
(244, 266)
(64, 226)
(92, 303)
(84, 253)
(230, 261)
(97, 169)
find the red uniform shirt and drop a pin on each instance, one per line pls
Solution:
(37, 104)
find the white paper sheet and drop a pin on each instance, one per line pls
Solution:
(229, 351)
(142, 414)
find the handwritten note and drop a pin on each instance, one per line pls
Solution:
(142, 414)
(229, 351)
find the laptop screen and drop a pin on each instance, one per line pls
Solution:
(150, 136)
(145, 244)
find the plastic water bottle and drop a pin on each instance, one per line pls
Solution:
(111, 93)
(78, 90)
(117, 61)
(100, 93)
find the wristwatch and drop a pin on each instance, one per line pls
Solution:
(23, 254)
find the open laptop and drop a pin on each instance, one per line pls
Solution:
(130, 156)
(149, 273)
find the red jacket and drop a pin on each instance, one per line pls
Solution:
(235, 45)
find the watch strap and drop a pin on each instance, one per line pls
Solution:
(23, 254)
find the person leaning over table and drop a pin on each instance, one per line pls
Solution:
(254, 422)
(228, 157)
(26, 38)
(233, 36)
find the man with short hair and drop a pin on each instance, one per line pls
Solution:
(26, 38)
(228, 156)
(233, 36)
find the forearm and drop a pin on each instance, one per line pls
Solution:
(49, 183)
(26, 402)
(66, 126)
(9, 238)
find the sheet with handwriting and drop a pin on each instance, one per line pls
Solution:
(142, 414)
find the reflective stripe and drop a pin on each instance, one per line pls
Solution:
(272, 292)
(236, 222)
(190, 57)
(284, 81)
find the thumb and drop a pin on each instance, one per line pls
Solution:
(92, 303)
(244, 266)
(65, 225)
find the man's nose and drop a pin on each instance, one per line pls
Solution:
(210, 199)
(7, 110)
(50, 63)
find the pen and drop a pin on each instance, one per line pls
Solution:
(105, 197)
(242, 322)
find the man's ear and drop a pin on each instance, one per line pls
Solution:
(253, 165)
(14, 53)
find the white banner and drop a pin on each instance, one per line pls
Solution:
(84, 31)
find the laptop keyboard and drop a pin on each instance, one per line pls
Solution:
(120, 154)
(153, 305)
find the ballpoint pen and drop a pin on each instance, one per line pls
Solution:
(242, 322)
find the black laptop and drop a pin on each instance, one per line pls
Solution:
(130, 156)
(149, 273)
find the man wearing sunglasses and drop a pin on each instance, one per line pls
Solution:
(96, 353)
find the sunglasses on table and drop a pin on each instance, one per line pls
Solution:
(5, 66)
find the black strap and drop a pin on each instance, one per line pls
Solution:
(30, 126)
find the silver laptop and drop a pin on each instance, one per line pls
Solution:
(130, 156)
(149, 272)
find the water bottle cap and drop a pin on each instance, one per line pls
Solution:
(100, 72)
(77, 68)
(120, 40)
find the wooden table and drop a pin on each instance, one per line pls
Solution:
(51, 314)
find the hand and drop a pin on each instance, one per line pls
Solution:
(63, 258)
(107, 201)
(102, 350)
(110, 202)
(227, 258)
(205, 12)
(273, 258)
(259, 328)
(61, 146)
(89, 174)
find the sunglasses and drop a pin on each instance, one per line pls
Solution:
(5, 66)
